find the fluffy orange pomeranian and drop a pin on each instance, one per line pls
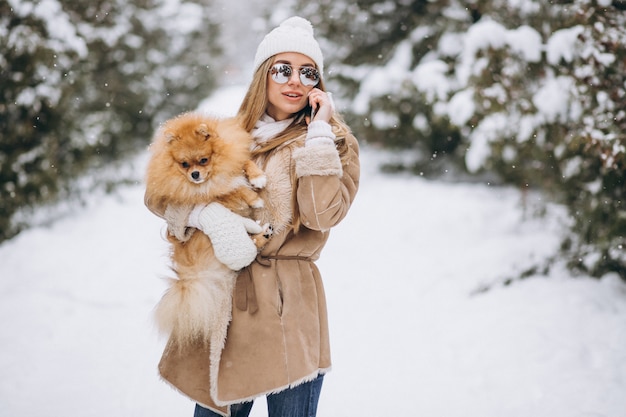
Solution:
(197, 159)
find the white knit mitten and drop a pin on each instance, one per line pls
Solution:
(228, 233)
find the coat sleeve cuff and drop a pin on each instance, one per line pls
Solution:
(319, 132)
(317, 160)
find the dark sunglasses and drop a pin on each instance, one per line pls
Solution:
(281, 73)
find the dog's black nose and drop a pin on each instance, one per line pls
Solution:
(195, 175)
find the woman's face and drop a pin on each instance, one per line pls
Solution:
(292, 96)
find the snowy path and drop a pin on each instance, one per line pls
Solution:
(409, 337)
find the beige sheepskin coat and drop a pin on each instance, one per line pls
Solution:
(277, 332)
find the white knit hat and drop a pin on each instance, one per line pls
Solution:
(293, 35)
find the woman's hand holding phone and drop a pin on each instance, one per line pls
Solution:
(322, 106)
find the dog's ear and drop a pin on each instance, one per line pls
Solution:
(169, 136)
(203, 130)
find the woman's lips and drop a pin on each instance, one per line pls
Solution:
(292, 95)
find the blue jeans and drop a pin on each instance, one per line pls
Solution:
(299, 401)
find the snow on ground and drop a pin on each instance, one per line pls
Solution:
(411, 335)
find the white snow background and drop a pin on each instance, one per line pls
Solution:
(410, 334)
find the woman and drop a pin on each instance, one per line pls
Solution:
(277, 343)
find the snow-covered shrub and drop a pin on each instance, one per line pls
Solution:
(592, 149)
(85, 83)
(558, 94)
(530, 90)
(374, 48)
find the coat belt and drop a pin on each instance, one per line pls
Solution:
(245, 294)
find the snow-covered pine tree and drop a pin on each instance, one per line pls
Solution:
(546, 87)
(373, 49)
(85, 82)
(592, 149)
(532, 91)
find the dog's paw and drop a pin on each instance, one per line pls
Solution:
(268, 230)
(262, 238)
(258, 182)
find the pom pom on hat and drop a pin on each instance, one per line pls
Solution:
(293, 35)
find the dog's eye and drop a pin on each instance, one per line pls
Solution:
(203, 161)
(185, 164)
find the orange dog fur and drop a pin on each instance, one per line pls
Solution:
(198, 160)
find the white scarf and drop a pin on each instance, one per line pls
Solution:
(267, 128)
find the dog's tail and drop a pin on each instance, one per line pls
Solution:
(196, 304)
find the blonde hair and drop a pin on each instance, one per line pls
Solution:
(255, 104)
